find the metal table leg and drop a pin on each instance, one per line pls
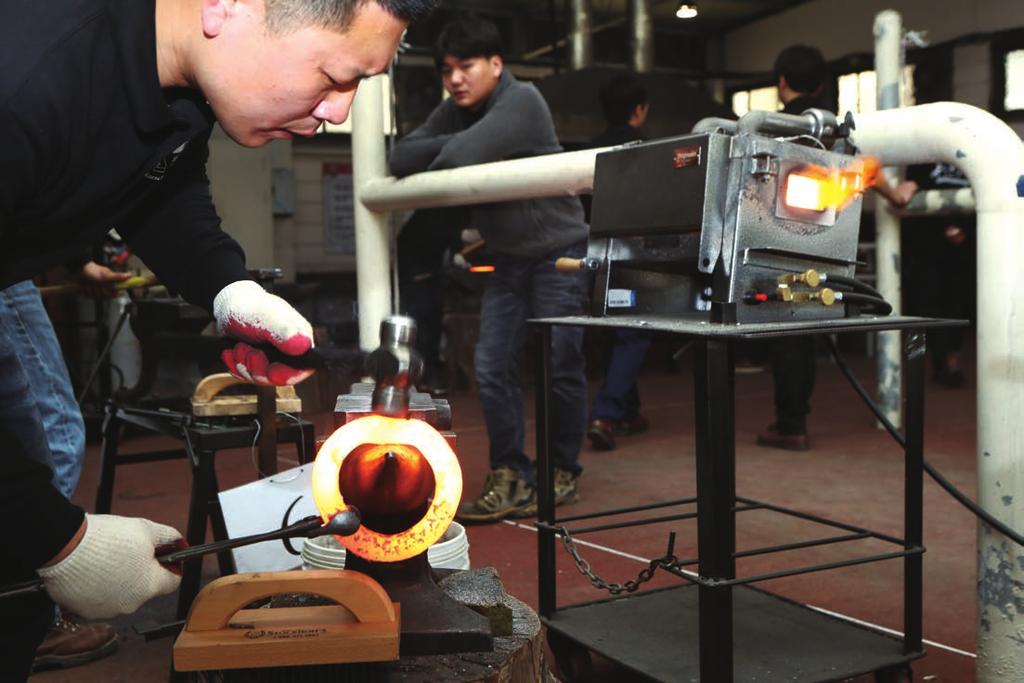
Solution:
(545, 477)
(913, 497)
(714, 395)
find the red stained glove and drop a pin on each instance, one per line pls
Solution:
(245, 311)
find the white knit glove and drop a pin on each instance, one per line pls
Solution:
(113, 570)
(245, 311)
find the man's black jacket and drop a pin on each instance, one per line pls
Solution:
(88, 142)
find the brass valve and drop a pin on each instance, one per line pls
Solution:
(810, 277)
(826, 296)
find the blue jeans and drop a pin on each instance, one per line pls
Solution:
(618, 399)
(34, 343)
(519, 289)
(22, 423)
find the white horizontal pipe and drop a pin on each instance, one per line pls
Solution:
(553, 175)
(991, 155)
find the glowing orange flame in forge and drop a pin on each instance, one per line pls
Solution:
(816, 188)
(401, 474)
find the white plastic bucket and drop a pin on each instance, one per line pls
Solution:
(450, 552)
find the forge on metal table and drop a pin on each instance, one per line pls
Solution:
(714, 626)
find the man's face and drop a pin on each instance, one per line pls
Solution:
(471, 81)
(264, 86)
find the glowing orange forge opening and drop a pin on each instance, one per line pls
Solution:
(816, 188)
(402, 476)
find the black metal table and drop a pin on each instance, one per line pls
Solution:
(715, 627)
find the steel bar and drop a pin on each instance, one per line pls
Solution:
(714, 392)
(803, 544)
(546, 571)
(822, 520)
(645, 521)
(810, 569)
(913, 496)
(622, 511)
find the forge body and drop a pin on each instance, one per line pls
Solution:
(393, 457)
(697, 226)
(410, 488)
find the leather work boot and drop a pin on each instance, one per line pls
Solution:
(636, 425)
(773, 438)
(601, 435)
(69, 642)
(505, 494)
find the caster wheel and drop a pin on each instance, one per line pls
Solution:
(572, 659)
(895, 674)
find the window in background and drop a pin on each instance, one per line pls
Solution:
(857, 91)
(757, 99)
(1013, 98)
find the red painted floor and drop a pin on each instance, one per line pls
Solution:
(853, 474)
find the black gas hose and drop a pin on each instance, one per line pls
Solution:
(959, 495)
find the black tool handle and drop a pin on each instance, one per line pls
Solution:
(344, 523)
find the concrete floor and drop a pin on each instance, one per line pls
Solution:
(853, 474)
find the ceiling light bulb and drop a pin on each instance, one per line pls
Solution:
(687, 10)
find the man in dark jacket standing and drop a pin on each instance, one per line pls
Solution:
(801, 71)
(616, 407)
(106, 107)
(491, 117)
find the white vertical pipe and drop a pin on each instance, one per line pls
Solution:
(991, 155)
(581, 41)
(642, 27)
(373, 231)
(888, 70)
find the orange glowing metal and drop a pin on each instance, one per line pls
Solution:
(482, 269)
(816, 188)
(369, 438)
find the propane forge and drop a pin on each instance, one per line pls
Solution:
(755, 222)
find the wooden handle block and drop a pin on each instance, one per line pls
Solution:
(220, 634)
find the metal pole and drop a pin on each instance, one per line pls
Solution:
(546, 560)
(991, 155)
(913, 492)
(373, 231)
(888, 70)
(715, 430)
(580, 36)
(642, 42)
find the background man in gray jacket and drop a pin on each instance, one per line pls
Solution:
(490, 117)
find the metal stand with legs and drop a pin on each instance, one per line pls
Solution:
(726, 630)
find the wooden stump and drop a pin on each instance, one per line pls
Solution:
(518, 658)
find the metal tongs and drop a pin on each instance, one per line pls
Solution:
(344, 523)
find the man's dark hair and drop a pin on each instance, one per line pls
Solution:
(620, 96)
(803, 67)
(337, 15)
(467, 37)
